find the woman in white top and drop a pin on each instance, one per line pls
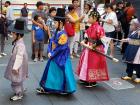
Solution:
(87, 11)
(110, 22)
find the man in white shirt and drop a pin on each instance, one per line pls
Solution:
(110, 22)
(10, 13)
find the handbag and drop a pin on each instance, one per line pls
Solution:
(69, 29)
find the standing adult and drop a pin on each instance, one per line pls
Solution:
(3, 34)
(109, 24)
(24, 13)
(10, 13)
(75, 20)
(40, 12)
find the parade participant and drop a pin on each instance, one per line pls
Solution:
(58, 76)
(17, 69)
(132, 53)
(92, 66)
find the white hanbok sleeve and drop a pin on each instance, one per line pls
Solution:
(19, 57)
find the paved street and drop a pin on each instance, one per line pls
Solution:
(103, 94)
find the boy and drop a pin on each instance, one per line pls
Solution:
(38, 38)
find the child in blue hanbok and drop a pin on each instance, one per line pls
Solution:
(58, 76)
(132, 53)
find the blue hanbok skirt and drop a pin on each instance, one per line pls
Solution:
(57, 80)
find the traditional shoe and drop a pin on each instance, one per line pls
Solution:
(94, 84)
(41, 91)
(89, 85)
(126, 78)
(64, 93)
(16, 97)
(82, 82)
(137, 80)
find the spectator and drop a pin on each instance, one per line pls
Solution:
(3, 34)
(50, 20)
(122, 20)
(24, 13)
(76, 5)
(87, 11)
(40, 12)
(9, 14)
(110, 22)
(75, 19)
(38, 38)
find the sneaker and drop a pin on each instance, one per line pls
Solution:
(11, 36)
(137, 80)
(41, 59)
(16, 97)
(36, 59)
(71, 56)
(76, 55)
(3, 54)
(126, 78)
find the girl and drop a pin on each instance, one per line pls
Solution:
(132, 53)
(17, 69)
(92, 66)
(58, 76)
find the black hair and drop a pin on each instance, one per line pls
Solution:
(8, 2)
(25, 3)
(39, 3)
(128, 4)
(17, 34)
(52, 9)
(109, 6)
(71, 7)
(36, 17)
(89, 5)
(74, 1)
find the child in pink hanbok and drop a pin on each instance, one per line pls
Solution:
(92, 66)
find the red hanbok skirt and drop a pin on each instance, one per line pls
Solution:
(92, 66)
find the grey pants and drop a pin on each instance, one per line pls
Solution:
(2, 44)
(18, 88)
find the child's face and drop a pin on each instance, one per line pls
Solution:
(56, 24)
(40, 20)
(92, 20)
(53, 13)
(14, 35)
(132, 27)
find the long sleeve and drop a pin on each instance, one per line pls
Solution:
(62, 45)
(19, 57)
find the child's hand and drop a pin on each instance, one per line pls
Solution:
(15, 72)
(49, 55)
(33, 40)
